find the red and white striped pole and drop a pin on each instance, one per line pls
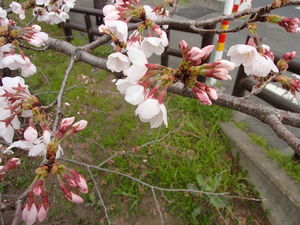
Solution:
(231, 6)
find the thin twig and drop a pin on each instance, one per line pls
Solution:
(61, 93)
(157, 206)
(225, 194)
(30, 21)
(107, 160)
(156, 140)
(100, 196)
(222, 217)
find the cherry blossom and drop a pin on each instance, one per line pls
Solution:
(18, 9)
(152, 111)
(138, 68)
(53, 12)
(116, 27)
(117, 62)
(135, 94)
(3, 17)
(152, 45)
(36, 146)
(253, 62)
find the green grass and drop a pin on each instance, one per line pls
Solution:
(191, 153)
(291, 167)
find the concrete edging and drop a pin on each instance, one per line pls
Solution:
(281, 195)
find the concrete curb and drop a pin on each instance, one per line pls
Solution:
(280, 193)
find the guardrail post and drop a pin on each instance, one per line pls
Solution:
(207, 39)
(89, 26)
(67, 30)
(238, 90)
(99, 4)
(165, 56)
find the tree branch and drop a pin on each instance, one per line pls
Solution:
(100, 196)
(224, 194)
(254, 109)
(282, 132)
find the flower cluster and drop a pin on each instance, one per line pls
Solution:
(146, 84)
(52, 12)
(192, 66)
(70, 179)
(116, 18)
(290, 84)
(290, 24)
(16, 102)
(132, 53)
(138, 88)
(37, 203)
(11, 54)
(45, 145)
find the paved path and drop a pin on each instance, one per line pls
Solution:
(274, 36)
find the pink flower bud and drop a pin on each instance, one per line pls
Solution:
(70, 180)
(289, 56)
(76, 198)
(202, 97)
(12, 163)
(290, 24)
(212, 93)
(207, 50)
(69, 195)
(217, 73)
(66, 123)
(38, 187)
(30, 134)
(196, 55)
(42, 213)
(36, 28)
(295, 84)
(183, 46)
(151, 66)
(29, 213)
(80, 180)
(227, 65)
(79, 126)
